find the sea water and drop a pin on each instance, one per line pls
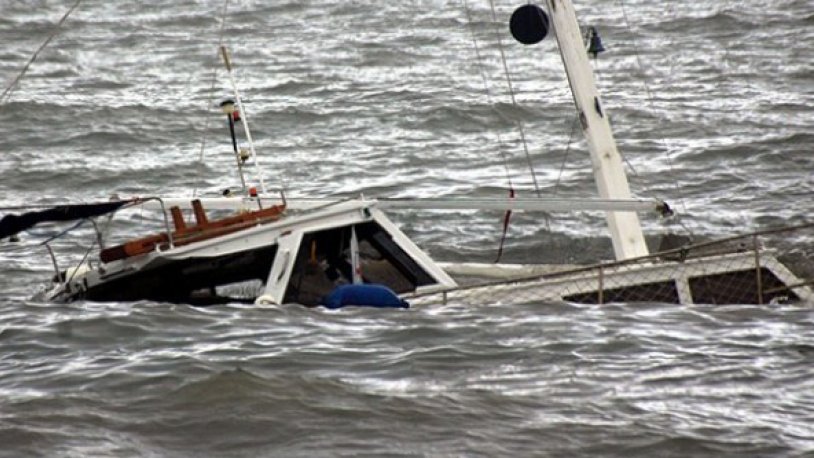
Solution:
(711, 102)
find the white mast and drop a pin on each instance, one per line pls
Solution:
(609, 172)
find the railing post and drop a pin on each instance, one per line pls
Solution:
(99, 238)
(759, 282)
(166, 221)
(54, 261)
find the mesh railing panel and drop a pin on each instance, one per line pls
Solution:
(775, 266)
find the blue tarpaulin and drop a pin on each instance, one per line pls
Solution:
(365, 295)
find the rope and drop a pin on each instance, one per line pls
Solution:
(649, 94)
(482, 72)
(13, 246)
(211, 94)
(501, 146)
(567, 150)
(514, 100)
(10, 89)
(61, 233)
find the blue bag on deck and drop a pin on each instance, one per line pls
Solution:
(366, 295)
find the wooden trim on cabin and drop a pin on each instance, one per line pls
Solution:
(184, 235)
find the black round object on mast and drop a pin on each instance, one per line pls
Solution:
(228, 108)
(595, 45)
(529, 24)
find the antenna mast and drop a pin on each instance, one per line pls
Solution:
(244, 119)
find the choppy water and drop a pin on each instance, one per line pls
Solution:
(385, 99)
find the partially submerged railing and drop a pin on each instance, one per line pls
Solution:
(736, 269)
(62, 278)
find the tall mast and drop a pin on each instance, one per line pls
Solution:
(609, 172)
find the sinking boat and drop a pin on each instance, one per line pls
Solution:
(273, 250)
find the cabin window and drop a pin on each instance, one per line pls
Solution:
(665, 292)
(740, 287)
(232, 277)
(323, 262)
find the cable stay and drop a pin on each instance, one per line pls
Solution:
(211, 97)
(648, 93)
(510, 86)
(6, 95)
(501, 144)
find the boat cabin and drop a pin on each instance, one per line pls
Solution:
(260, 256)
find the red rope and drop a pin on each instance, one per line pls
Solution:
(506, 219)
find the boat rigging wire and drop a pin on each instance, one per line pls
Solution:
(574, 125)
(60, 233)
(567, 150)
(649, 96)
(591, 34)
(514, 100)
(209, 100)
(488, 92)
(501, 144)
(6, 95)
(97, 240)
